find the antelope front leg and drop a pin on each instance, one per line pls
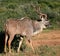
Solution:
(30, 42)
(20, 43)
(32, 46)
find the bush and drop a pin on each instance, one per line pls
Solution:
(19, 8)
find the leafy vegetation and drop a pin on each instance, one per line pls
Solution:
(22, 8)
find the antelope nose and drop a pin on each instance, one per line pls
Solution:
(47, 23)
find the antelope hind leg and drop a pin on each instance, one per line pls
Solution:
(6, 38)
(20, 43)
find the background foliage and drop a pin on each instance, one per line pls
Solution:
(21, 8)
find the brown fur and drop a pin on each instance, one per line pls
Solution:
(25, 27)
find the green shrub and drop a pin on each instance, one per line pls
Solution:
(21, 8)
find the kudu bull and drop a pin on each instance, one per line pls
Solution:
(25, 27)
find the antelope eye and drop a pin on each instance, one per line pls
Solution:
(39, 20)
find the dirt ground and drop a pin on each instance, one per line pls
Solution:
(51, 37)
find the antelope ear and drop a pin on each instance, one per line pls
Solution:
(39, 20)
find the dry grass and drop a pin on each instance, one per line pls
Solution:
(45, 44)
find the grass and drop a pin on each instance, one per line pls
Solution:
(43, 50)
(46, 51)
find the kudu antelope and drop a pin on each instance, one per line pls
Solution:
(25, 27)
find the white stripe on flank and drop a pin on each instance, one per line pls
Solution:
(22, 18)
